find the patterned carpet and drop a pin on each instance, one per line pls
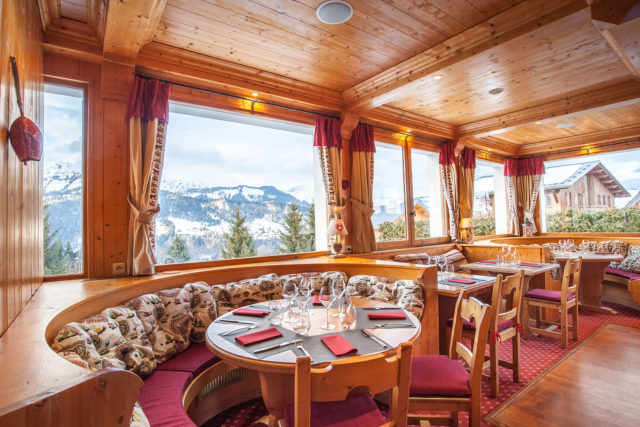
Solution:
(537, 354)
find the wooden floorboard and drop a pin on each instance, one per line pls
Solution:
(598, 383)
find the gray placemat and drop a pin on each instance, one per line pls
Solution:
(363, 321)
(287, 335)
(477, 279)
(320, 353)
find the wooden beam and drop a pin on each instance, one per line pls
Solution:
(73, 47)
(397, 81)
(130, 24)
(625, 42)
(607, 13)
(401, 121)
(617, 95)
(49, 12)
(591, 140)
(491, 145)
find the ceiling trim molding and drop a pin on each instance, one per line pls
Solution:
(404, 120)
(514, 22)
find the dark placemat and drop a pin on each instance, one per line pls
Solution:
(287, 335)
(363, 321)
(478, 279)
(320, 353)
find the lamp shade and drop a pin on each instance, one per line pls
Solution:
(466, 223)
(336, 228)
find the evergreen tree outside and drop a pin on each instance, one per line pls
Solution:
(484, 224)
(177, 251)
(58, 258)
(311, 229)
(626, 220)
(388, 230)
(238, 243)
(422, 229)
(294, 239)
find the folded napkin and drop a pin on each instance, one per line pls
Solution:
(259, 336)
(388, 315)
(603, 253)
(460, 280)
(338, 345)
(316, 299)
(487, 262)
(528, 264)
(251, 312)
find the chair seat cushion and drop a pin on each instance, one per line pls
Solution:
(356, 410)
(623, 273)
(161, 399)
(547, 295)
(438, 376)
(471, 326)
(195, 359)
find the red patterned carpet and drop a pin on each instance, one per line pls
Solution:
(537, 354)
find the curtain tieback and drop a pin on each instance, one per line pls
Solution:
(144, 217)
(362, 207)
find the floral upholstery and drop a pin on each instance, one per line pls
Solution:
(419, 258)
(237, 294)
(615, 246)
(403, 293)
(138, 418)
(203, 308)
(318, 279)
(631, 263)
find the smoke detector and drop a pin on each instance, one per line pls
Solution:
(334, 12)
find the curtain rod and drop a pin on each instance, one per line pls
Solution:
(186, 86)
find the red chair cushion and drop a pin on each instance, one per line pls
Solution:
(356, 410)
(161, 399)
(194, 359)
(623, 273)
(438, 376)
(471, 326)
(547, 295)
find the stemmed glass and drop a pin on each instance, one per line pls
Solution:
(327, 296)
(289, 291)
(441, 261)
(339, 288)
(305, 289)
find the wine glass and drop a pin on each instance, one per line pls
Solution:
(449, 271)
(305, 289)
(339, 288)
(327, 296)
(350, 317)
(289, 290)
(441, 261)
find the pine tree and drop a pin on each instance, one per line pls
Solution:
(55, 261)
(311, 229)
(294, 238)
(177, 251)
(238, 243)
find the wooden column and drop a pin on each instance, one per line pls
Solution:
(349, 123)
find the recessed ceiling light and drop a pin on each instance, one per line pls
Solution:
(408, 130)
(438, 77)
(539, 122)
(496, 91)
(565, 125)
(334, 12)
(254, 94)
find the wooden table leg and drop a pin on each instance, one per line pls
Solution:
(590, 290)
(277, 391)
(446, 308)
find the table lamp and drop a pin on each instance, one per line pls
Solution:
(466, 230)
(337, 231)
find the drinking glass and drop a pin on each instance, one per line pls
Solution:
(339, 288)
(275, 318)
(441, 261)
(327, 296)
(349, 319)
(505, 252)
(301, 322)
(449, 271)
(289, 290)
(305, 289)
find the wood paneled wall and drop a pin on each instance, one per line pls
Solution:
(20, 185)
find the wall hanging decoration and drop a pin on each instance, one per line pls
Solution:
(26, 138)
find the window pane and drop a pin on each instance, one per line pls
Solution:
(427, 200)
(235, 186)
(484, 204)
(595, 193)
(388, 194)
(62, 163)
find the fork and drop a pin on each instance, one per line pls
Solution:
(384, 325)
(245, 328)
(304, 350)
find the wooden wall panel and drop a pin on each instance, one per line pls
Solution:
(20, 185)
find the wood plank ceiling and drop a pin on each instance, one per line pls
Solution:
(552, 61)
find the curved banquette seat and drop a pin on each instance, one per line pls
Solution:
(189, 376)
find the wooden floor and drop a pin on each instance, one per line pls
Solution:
(598, 383)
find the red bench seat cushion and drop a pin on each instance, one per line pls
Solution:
(161, 399)
(547, 295)
(623, 273)
(195, 359)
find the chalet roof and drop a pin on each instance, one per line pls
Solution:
(634, 200)
(564, 176)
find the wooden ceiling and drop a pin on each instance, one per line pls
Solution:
(555, 61)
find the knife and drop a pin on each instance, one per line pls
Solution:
(273, 347)
(235, 321)
(381, 308)
(373, 337)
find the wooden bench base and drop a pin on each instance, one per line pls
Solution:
(621, 291)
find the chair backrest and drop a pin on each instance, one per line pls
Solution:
(469, 310)
(505, 299)
(571, 277)
(376, 373)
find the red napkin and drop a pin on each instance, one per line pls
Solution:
(338, 345)
(316, 299)
(391, 315)
(250, 312)
(604, 253)
(487, 262)
(259, 336)
(527, 264)
(459, 280)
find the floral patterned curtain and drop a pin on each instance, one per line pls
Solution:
(466, 176)
(523, 175)
(328, 139)
(362, 147)
(450, 185)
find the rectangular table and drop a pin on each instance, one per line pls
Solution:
(595, 384)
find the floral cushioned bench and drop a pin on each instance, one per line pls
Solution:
(160, 336)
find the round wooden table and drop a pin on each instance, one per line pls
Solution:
(276, 372)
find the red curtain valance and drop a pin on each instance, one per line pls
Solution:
(362, 139)
(524, 167)
(149, 100)
(468, 158)
(327, 132)
(447, 153)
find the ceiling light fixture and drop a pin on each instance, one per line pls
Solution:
(565, 125)
(254, 94)
(408, 130)
(539, 122)
(438, 77)
(334, 12)
(496, 91)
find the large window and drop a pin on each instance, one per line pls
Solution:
(489, 203)
(63, 183)
(389, 219)
(595, 193)
(237, 186)
(427, 197)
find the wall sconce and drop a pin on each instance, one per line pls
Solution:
(336, 232)
(466, 230)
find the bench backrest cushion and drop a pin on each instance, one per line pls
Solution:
(417, 258)
(403, 293)
(615, 246)
(203, 307)
(631, 263)
(230, 296)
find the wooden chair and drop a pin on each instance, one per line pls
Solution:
(504, 325)
(441, 383)
(340, 394)
(563, 300)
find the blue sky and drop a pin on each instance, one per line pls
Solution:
(63, 126)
